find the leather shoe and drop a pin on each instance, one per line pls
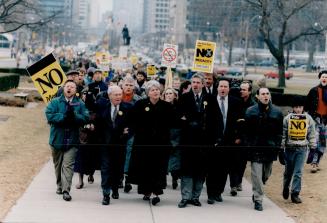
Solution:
(79, 186)
(183, 203)
(106, 200)
(239, 187)
(90, 179)
(258, 206)
(146, 198)
(233, 191)
(286, 193)
(59, 191)
(296, 199)
(210, 200)
(115, 195)
(66, 196)
(127, 188)
(196, 202)
(218, 198)
(155, 200)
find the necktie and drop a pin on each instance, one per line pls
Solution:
(197, 100)
(209, 90)
(114, 115)
(223, 111)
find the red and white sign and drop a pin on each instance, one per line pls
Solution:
(169, 55)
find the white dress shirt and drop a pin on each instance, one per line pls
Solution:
(113, 110)
(225, 103)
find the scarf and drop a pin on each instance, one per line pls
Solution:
(324, 93)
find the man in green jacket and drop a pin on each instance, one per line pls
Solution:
(65, 114)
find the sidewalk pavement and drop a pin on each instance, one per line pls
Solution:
(41, 204)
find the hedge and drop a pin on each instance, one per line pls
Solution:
(20, 71)
(284, 99)
(9, 81)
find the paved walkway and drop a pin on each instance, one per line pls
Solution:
(40, 204)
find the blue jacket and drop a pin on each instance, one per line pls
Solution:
(64, 133)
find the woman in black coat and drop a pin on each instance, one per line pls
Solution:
(151, 121)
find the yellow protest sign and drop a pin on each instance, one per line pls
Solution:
(134, 59)
(102, 60)
(297, 127)
(151, 69)
(204, 56)
(47, 76)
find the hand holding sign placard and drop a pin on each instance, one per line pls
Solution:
(47, 76)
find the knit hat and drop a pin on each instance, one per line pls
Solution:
(298, 101)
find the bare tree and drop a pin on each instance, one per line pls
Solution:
(15, 14)
(277, 20)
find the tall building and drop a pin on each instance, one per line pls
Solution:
(95, 15)
(156, 16)
(64, 7)
(59, 31)
(81, 13)
(130, 13)
(178, 21)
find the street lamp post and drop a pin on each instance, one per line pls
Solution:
(245, 47)
(245, 55)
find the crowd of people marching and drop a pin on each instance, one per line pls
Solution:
(136, 131)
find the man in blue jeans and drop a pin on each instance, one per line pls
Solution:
(298, 134)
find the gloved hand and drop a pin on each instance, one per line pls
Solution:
(69, 116)
(281, 156)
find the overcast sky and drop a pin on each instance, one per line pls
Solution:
(105, 5)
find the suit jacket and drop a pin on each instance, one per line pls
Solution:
(111, 133)
(213, 92)
(234, 115)
(199, 130)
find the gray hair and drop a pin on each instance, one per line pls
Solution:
(113, 88)
(128, 79)
(198, 75)
(151, 84)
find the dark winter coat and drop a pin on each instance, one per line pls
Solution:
(151, 125)
(199, 132)
(264, 130)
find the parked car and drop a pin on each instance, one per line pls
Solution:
(274, 74)
(234, 71)
(266, 63)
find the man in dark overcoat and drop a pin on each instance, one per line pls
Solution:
(111, 127)
(199, 128)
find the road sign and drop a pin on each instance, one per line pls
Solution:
(204, 56)
(47, 76)
(169, 55)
